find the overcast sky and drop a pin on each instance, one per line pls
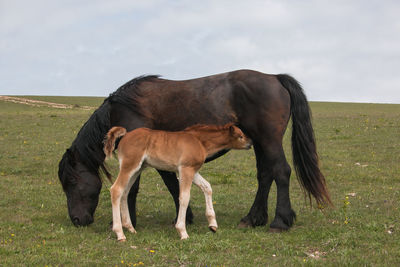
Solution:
(339, 50)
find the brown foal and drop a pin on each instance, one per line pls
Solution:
(183, 152)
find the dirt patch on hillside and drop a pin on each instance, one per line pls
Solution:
(39, 103)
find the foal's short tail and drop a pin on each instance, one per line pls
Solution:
(109, 141)
(305, 157)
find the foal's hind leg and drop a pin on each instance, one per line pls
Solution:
(117, 191)
(207, 190)
(125, 213)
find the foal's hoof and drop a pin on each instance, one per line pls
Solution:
(131, 229)
(122, 240)
(213, 229)
(184, 236)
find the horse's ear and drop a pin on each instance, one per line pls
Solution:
(69, 154)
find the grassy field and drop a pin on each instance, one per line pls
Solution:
(359, 147)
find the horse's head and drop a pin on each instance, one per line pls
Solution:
(238, 140)
(82, 188)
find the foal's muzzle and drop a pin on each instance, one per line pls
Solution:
(249, 144)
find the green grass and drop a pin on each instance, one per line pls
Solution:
(359, 151)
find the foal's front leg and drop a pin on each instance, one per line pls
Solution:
(207, 190)
(186, 175)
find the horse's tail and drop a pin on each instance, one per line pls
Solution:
(109, 141)
(305, 157)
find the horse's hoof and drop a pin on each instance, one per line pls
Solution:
(122, 240)
(242, 225)
(213, 229)
(276, 230)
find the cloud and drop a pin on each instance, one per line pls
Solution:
(339, 50)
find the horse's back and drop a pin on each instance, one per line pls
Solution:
(217, 99)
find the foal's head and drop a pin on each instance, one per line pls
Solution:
(237, 139)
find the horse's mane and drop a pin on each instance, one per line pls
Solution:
(208, 128)
(88, 144)
(129, 95)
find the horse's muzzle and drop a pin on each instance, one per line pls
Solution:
(84, 221)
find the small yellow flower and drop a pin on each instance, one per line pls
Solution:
(152, 251)
(12, 235)
(141, 263)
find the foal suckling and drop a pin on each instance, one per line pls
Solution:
(183, 152)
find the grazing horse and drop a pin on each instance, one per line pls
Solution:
(182, 152)
(260, 104)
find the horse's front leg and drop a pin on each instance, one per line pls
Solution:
(172, 184)
(132, 200)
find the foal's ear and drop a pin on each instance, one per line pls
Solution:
(232, 130)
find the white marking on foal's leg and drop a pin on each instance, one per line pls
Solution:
(207, 190)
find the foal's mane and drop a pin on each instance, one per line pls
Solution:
(87, 147)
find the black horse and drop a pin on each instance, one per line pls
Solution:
(260, 104)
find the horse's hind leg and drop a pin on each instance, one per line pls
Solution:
(258, 214)
(207, 190)
(186, 175)
(284, 215)
(272, 165)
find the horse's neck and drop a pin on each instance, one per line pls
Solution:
(212, 141)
